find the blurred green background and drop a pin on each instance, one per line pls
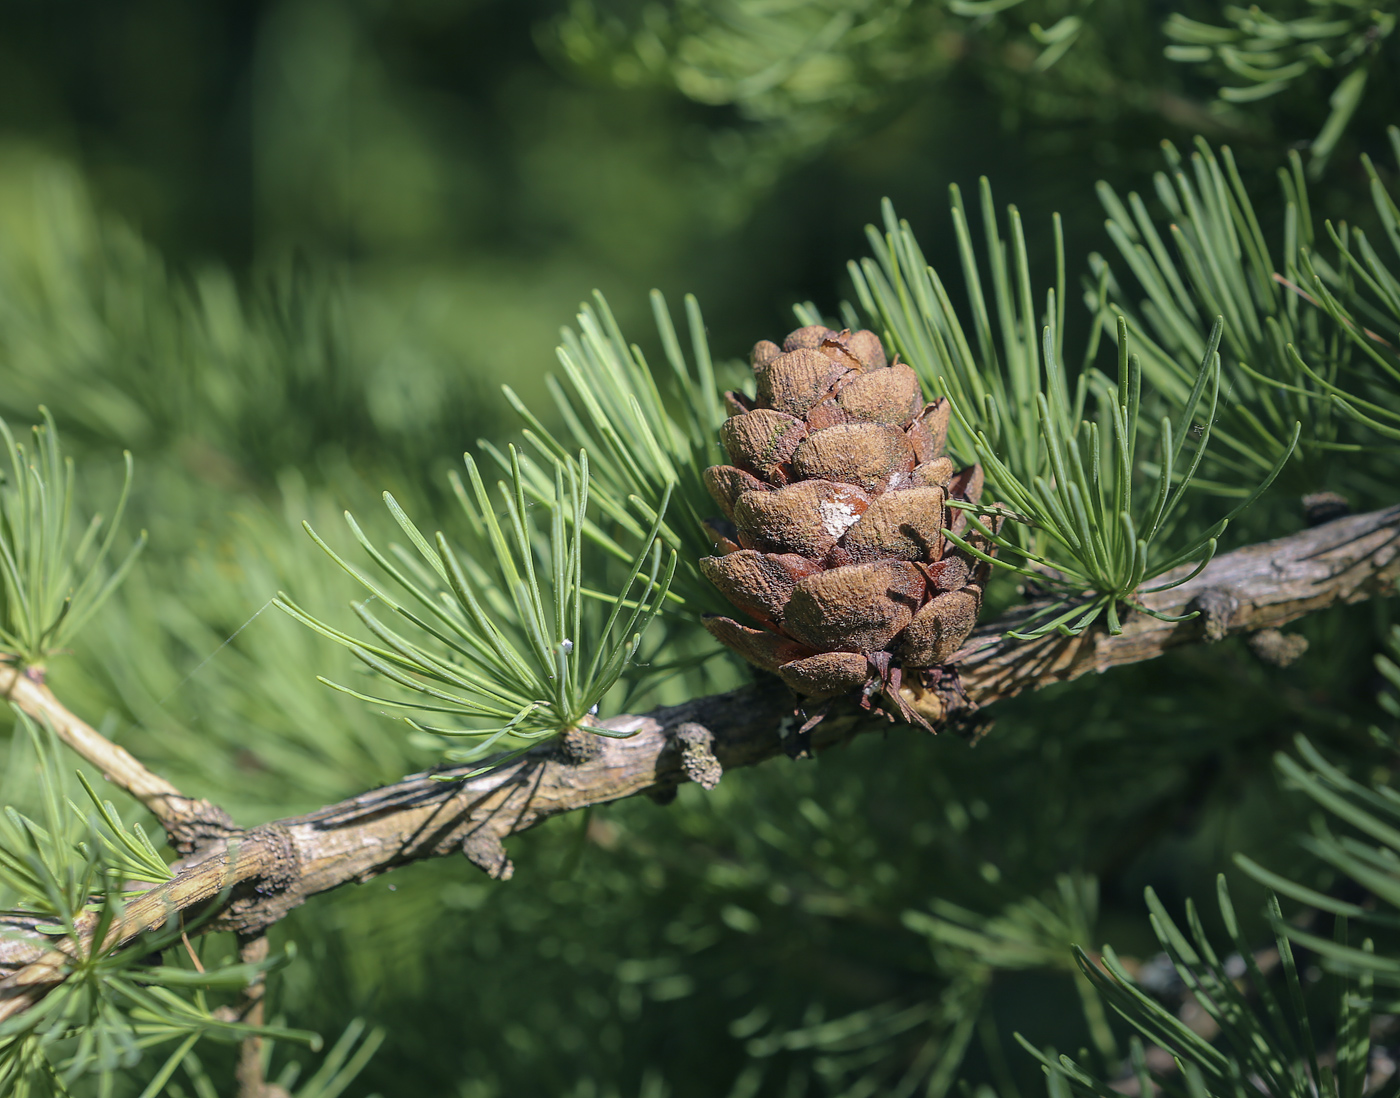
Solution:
(287, 253)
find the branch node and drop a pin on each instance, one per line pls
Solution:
(285, 870)
(1217, 606)
(190, 824)
(1321, 507)
(484, 850)
(698, 754)
(577, 746)
(266, 895)
(1277, 648)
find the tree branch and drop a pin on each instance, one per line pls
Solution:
(255, 877)
(1258, 587)
(249, 1074)
(186, 820)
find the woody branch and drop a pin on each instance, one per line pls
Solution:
(184, 818)
(258, 875)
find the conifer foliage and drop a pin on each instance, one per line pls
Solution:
(987, 471)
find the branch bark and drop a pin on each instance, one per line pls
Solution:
(249, 1075)
(187, 820)
(255, 877)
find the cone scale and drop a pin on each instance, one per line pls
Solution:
(834, 505)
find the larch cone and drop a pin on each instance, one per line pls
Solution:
(835, 503)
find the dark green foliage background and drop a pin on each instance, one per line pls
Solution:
(287, 252)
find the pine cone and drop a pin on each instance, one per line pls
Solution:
(835, 505)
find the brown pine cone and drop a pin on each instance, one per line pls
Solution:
(835, 505)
